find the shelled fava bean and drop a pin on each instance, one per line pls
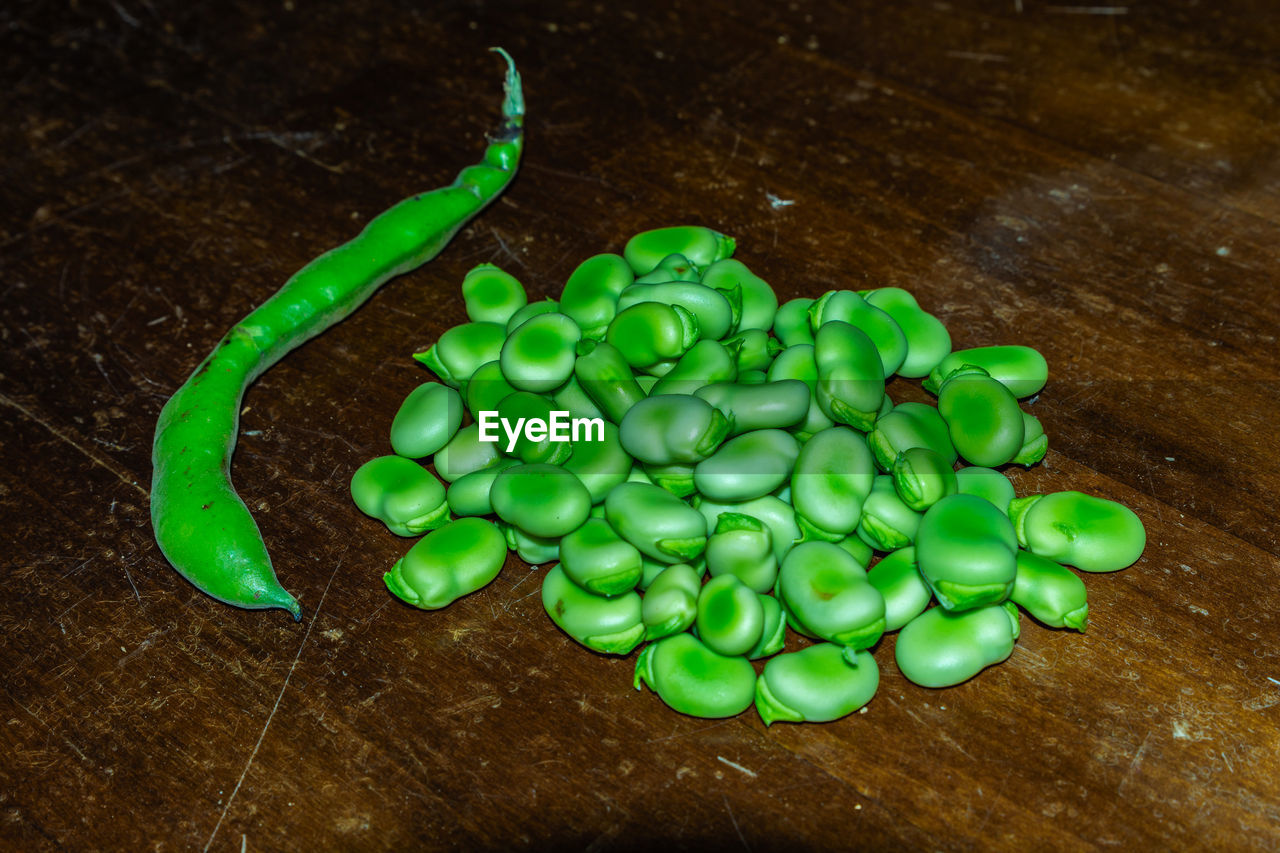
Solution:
(739, 467)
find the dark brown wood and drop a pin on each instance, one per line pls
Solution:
(1098, 181)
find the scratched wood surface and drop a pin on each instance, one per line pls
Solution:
(1101, 182)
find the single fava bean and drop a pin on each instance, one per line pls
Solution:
(777, 514)
(599, 560)
(607, 378)
(823, 588)
(611, 626)
(1034, 442)
(928, 341)
(540, 355)
(887, 523)
(1020, 369)
(983, 418)
(848, 307)
(1050, 592)
(940, 648)
(759, 302)
(749, 466)
(448, 563)
(674, 267)
(600, 465)
(832, 478)
(492, 295)
(671, 601)
(528, 407)
(468, 495)
(701, 246)
(590, 296)
(528, 312)
(755, 350)
(487, 388)
(648, 333)
(967, 552)
(905, 592)
(730, 617)
(573, 398)
(676, 479)
(791, 323)
(742, 546)
(767, 405)
(850, 376)
(1092, 534)
(672, 429)
(858, 549)
(986, 483)
(694, 680)
(922, 478)
(796, 362)
(426, 420)
(715, 310)
(401, 494)
(909, 425)
(774, 636)
(657, 522)
(459, 351)
(542, 500)
(465, 453)
(818, 684)
(534, 550)
(706, 362)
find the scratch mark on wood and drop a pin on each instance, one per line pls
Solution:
(736, 828)
(736, 766)
(1134, 765)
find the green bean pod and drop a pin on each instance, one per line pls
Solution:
(465, 453)
(600, 465)
(448, 563)
(1020, 369)
(922, 478)
(821, 683)
(759, 302)
(730, 617)
(850, 375)
(672, 429)
(534, 550)
(846, 306)
(905, 592)
(771, 405)
(528, 312)
(487, 388)
(670, 600)
(940, 648)
(909, 425)
(692, 679)
(1050, 592)
(607, 378)
(426, 420)
(983, 418)
(704, 363)
(748, 466)
(597, 559)
(701, 246)
(742, 546)
(611, 626)
(777, 514)
(657, 522)
(774, 635)
(539, 356)
(459, 351)
(542, 500)
(1034, 442)
(928, 341)
(1092, 534)
(986, 483)
(468, 495)
(401, 494)
(715, 310)
(826, 592)
(525, 406)
(590, 296)
(791, 323)
(887, 524)
(832, 478)
(492, 295)
(967, 552)
(649, 333)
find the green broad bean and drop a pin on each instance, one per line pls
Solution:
(701, 246)
(674, 267)
(928, 341)
(730, 617)
(714, 310)
(887, 524)
(846, 306)
(459, 351)
(986, 483)
(759, 302)
(1050, 592)
(777, 515)
(611, 626)
(652, 568)
(821, 683)
(796, 362)
(648, 333)
(600, 465)
(426, 420)
(486, 388)
(590, 296)
(824, 590)
(769, 405)
(967, 551)
(573, 398)
(742, 546)
(534, 550)
(791, 323)
(607, 378)
(754, 349)
(850, 376)
(521, 407)
(401, 494)
(542, 500)
(832, 478)
(676, 479)
(983, 418)
(940, 648)
(922, 478)
(670, 600)
(773, 637)
(468, 495)
(861, 551)
(492, 295)
(1022, 370)
(539, 355)
(905, 592)
(694, 680)
(448, 563)
(657, 522)
(704, 363)
(752, 377)
(597, 559)
(672, 429)
(1092, 534)
(528, 312)
(1034, 442)
(909, 425)
(749, 466)
(465, 453)
(647, 381)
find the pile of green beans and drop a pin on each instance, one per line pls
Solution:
(751, 485)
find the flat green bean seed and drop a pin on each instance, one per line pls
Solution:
(714, 310)
(525, 406)
(967, 552)
(905, 592)
(983, 418)
(670, 600)
(759, 302)
(650, 332)
(611, 626)
(607, 378)
(674, 267)
(774, 635)
(850, 375)
(770, 405)
(459, 351)
(848, 307)
(590, 295)
(755, 349)
(1092, 534)
(749, 466)
(986, 483)
(539, 356)
(672, 429)
(1034, 442)
(1020, 369)
(909, 425)
(742, 546)
(600, 465)
(704, 363)
(528, 312)
(824, 589)
(426, 420)
(465, 453)
(940, 648)
(730, 616)
(692, 679)
(776, 513)
(401, 494)
(928, 341)
(492, 295)
(534, 550)
(923, 478)
(1050, 592)
(599, 560)
(542, 500)
(700, 245)
(887, 524)
(818, 684)
(791, 323)
(486, 388)
(832, 478)
(657, 522)
(446, 564)
(468, 495)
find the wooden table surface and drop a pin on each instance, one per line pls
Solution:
(1100, 182)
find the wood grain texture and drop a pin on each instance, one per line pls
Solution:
(1099, 181)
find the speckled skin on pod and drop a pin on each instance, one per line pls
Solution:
(694, 680)
(609, 625)
(966, 550)
(817, 684)
(448, 563)
(401, 494)
(1050, 592)
(825, 593)
(1092, 534)
(940, 648)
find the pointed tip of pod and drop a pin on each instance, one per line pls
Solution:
(513, 104)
